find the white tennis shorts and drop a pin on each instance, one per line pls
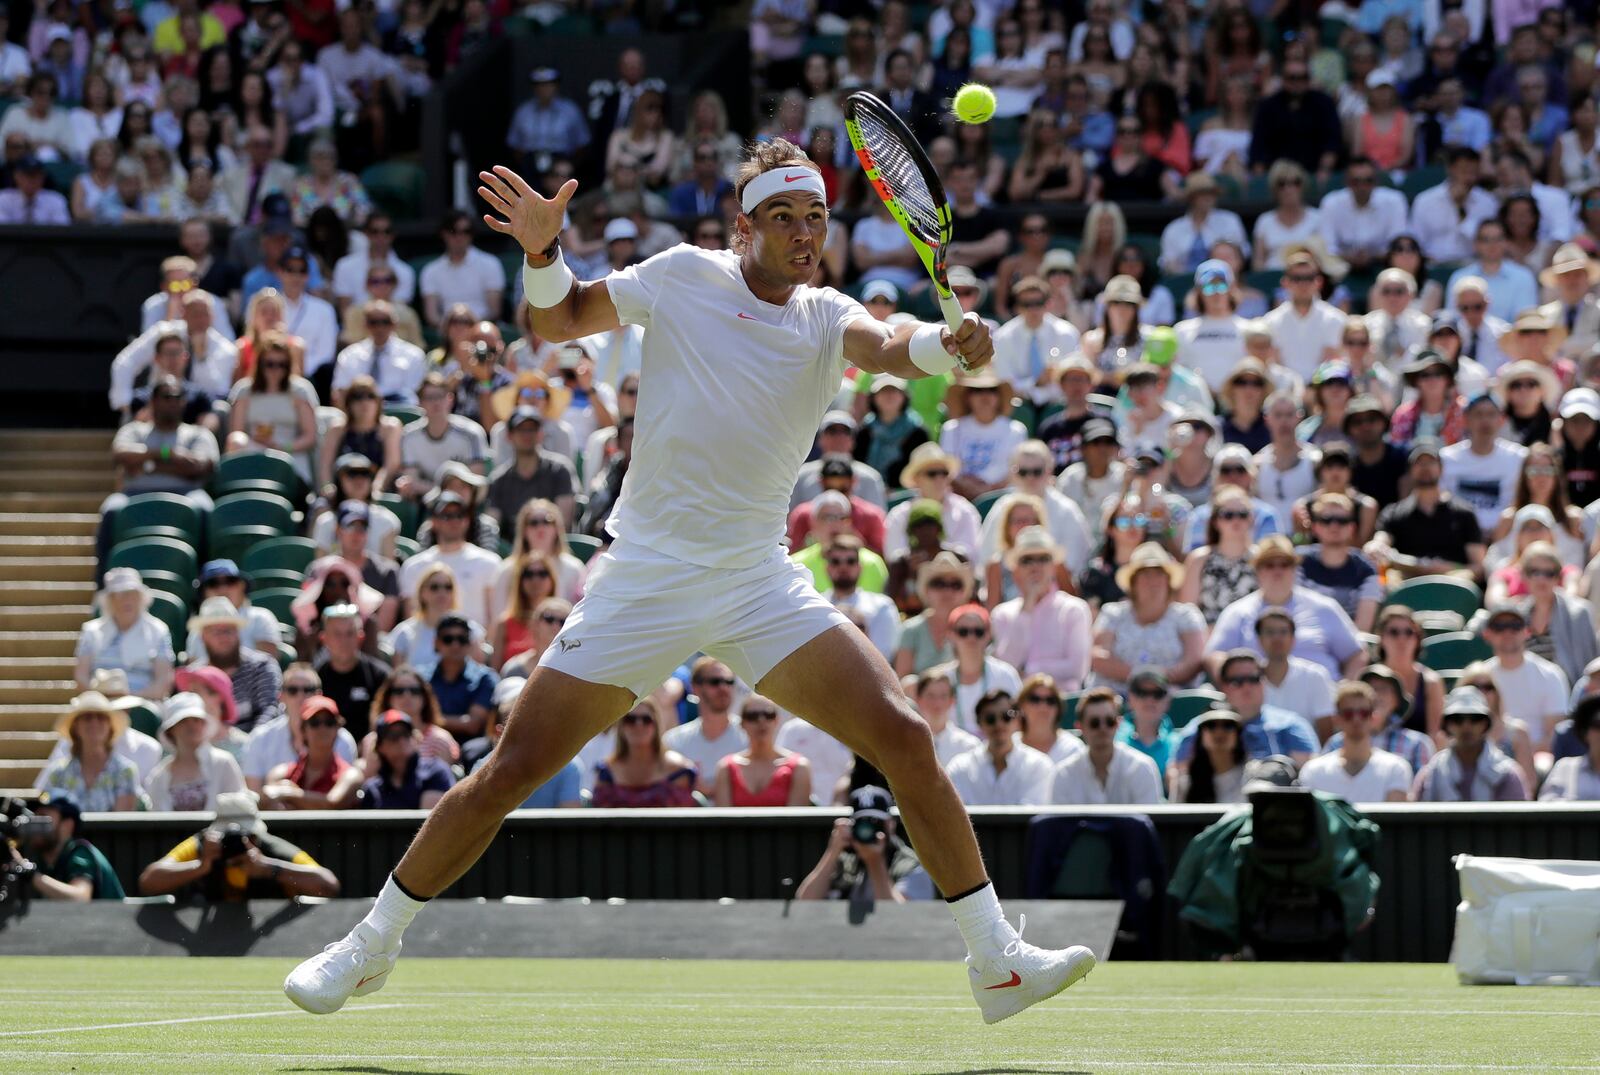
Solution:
(644, 613)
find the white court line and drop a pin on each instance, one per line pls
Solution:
(187, 1019)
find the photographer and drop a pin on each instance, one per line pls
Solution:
(865, 849)
(58, 864)
(235, 859)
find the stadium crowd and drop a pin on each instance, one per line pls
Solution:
(1326, 488)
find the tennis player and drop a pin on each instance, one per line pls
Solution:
(740, 360)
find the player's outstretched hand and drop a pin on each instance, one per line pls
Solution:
(531, 219)
(971, 343)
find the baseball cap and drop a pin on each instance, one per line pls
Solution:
(219, 569)
(1211, 270)
(276, 225)
(351, 461)
(880, 289)
(621, 228)
(838, 418)
(63, 803)
(1148, 676)
(391, 717)
(1425, 446)
(837, 465)
(442, 500)
(1485, 396)
(1151, 451)
(1332, 371)
(524, 414)
(1444, 321)
(1098, 429)
(296, 253)
(871, 801)
(1584, 401)
(354, 511)
(1467, 702)
(318, 703)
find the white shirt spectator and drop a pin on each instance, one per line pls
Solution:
(829, 758)
(137, 747)
(1307, 690)
(1066, 746)
(1132, 777)
(1025, 781)
(880, 234)
(1443, 231)
(1091, 494)
(214, 373)
(1066, 524)
(463, 441)
(321, 114)
(879, 613)
(1178, 237)
(1349, 229)
(134, 650)
(154, 310)
(1282, 488)
(984, 450)
(1533, 692)
(1557, 221)
(317, 325)
(1021, 354)
(961, 526)
(366, 65)
(1372, 783)
(470, 280)
(953, 742)
(1272, 235)
(381, 525)
(1211, 346)
(474, 569)
(1410, 330)
(1303, 339)
(269, 745)
(15, 66)
(413, 640)
(398, 368)
(350, 277)
(690, 741)
(1486, 483)
(997, 676)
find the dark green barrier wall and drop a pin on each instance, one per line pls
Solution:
(706, 854)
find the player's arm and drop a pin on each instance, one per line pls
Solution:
(916, 349)
(560, 307)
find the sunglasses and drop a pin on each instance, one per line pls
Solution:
(551, 618)
(394, 735)
(294, 690)
(1243, 681)
(452, 516)
(439, 587)
(221, 581)
(989, 720)
(638, 718)
(381, 280)
(1042, 699)
(1030, 472)
(1399, 632)
(1149, 692)
(319, 722)
(1462, 718)
(843, 561)
(454, 640)
(1505, 625)
(360, 397)
(1249, 382)
(280, 365)
(933, 473)
(1030, 304)
(1130, 522)
(1539, 573)
(1233, 515)
(535, 573)
(1094, 724)
(971, 632)
(945, 584)
(1393, 291)
(405, 691)
(377, 322)
(1521, 386)
(1356, 713)
(1302, 278)
(1471, 307)
(1333, 520)
(758, 714)
(1276, 565)
(1033, 561)
(719, 681)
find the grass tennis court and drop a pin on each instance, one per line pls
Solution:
(216, 1015)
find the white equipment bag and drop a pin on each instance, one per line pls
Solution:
(1527, 922)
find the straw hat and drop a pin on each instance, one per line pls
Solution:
(1533, 319)
(215, 611)
(1248, 366)
(1032, 540)
(945, 565)
(926, 455)
(95, 702)
(1150, 554)
(1570, 257)
(1549, 387)
(1123, 288)
(534, 388)
(1330, 265)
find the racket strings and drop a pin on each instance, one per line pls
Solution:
(898, 170)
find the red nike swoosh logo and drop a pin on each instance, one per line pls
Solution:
(747, 317)
(793, 178)
(370, 977)
(1016, 980)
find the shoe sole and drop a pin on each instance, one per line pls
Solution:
(1077, 974)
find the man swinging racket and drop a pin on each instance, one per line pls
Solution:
(740, 360)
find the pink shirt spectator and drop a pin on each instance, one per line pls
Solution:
(1054, 637)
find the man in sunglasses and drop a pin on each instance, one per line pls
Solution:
(1471, 768)
(352, 273)
(714, 734)
(1359, 219)
(1307, 329)
(396, 366)
(1028, 347)
(1149, 730)
(280, 740)
(1264, 729)
(462, 274)
(1357, 770)
(1291, 683)
(1108, 772)
(1429, 532)
(463, 685)
(1001, 772)
(1483, 470)
(348, 676)
(1532, 689)
(1100, 474)
(1031, 466)
(842, 561)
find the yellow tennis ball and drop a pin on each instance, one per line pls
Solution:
(973, 103)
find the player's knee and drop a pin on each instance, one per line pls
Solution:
(507, 777)
(905, 742)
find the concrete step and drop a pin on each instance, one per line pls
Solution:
(75, 593)
(54, 480)
(67, 440)
(27, 746)
(20, 775)
(36, 692)
(44, 617)
(47, 568)
(13, 669)
(48, 524)
(12, 545)
(37, 643)
(34, 503)
(84, 459)
(27, 718)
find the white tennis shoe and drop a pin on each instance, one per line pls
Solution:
(352, 967)
(1020, 975)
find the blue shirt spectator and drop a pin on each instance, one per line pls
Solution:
(1374, 13)
(422, 774)
(261, 276)
(548, 123)
(1158, 751)
(473, 686)
(1266, 522)
(1512, 287)
(1469, 127)
(563, 788)
(1274, 731)
(1323, 633)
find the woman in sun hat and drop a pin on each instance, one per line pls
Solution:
(1150, 626)
(196, 772)
(944, 583)
(126, 636)
(92, 775)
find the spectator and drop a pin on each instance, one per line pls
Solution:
(980, 237)
(1099, 475)
(1360, 221)
(1577, 776)
(406, 691)
(1437, 411)
(329, 581)
(254, 677)
(1527, 408)
(376, 571)
(92, 774)
(1235, 466)
(353, 483)
(464, 274)
(163, 351)
(1148, 416)
(1482, 471)
(275, 409)
(47, 127)
(302, 91)
(1039, 709)
(196, 773)
(974, 672)
(762, 774)
(1357, 770)
(1396, 718)
(28, 202)
(1062, 432)
(1001, 772)
(1108, 772)
(1042, 629)
(1324, 635)
(943, 583)
(353, 273)
(531, 582)
(1028, 259)
(1222, 146)
(1333, 567)
(1219, 572)
(642, 140)
(538, 531)
(407, 779)
(1028, 347)
(350, 677)
(1508, 733)
(1030, 477)
(1384, 132)
(132, 744)
(436, 438)
(931, 471)
(216, 692)
(702, 192)
(935, 698)
(880, 251)
(64, 865)
(1480, 334)
(1578, 447)
(319, 778)
(395, 366)
(1379, 468)
(1128, 173)
(1187, 239)
(1442, 216)
(1470, 768)
(1212, 342)
(1290, 221)
(222, 578)
(547, 125)
(713, 735)
(980, 436)
(891, 430)
(162, 455)
(866, 518)
(1307, 330)
(235, 859)
(1298, 123)
(1531, 688)
(1216, 773)
(837, 436)
(865, 854)
(842, 560)
(126, 637)
(259, 176)
(474, 568)
(1512, 288)
(15, 64)
(312, 318)
(1150, 729)
(1396, 322)
(830, 516)
(281, 740)
(1150, 626)
(1291, 683)
(642, 770)
(562, 791)
(125, 203)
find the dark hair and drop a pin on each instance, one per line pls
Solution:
(1504, 216)
(327, 235)
(1202, 777)
(1457, 154)
(1235, 658)
(1165, 98)
(454, 218)
(1422, 257)
(991, 698)
(269, 342)
(1147, 274)
(1365, 162)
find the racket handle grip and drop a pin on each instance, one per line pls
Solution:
(953, 315)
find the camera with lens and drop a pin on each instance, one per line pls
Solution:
(19, 824)
(483, 353)
(866, 830)
(235, 842)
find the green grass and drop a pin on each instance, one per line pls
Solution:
(658, 1016)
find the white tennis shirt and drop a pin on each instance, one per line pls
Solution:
(731, 390)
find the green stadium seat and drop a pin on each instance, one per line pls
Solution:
(1264, 280)
(268, 578)
(235, 542)
(404, 549)
(1069, 709)
(1178, 283)
(1420, 179)
(987, 501)
(174, 614)
(397, 186)
(293, 554)
(406, 511)
(155, 554)
(145, 718)
(252, 471)
(277, 601)
(403, 411)
(898, 497)
(1187, 705)
(1454, 650)
(61, 173)
(583, 546)
(1437, 594)
(150, 511)
(181, 587)
(286, 655)
(1025, 412)
(252, 509)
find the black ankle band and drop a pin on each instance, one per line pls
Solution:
(948, 899)
(412, 895)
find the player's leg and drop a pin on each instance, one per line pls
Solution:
(840, 683)
(555, 716)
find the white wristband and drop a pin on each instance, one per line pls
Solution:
(547, 285)
(927, 353)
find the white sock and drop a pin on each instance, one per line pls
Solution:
(977, 916)
(391, 913)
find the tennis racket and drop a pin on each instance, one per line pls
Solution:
(901, 173)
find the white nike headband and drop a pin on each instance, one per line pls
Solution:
(781, 181)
